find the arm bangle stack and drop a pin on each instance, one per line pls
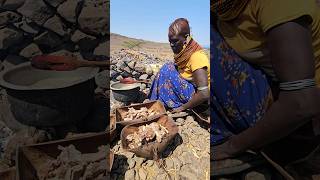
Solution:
(297, 85)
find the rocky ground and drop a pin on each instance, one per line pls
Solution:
(57, 27)
(134, 63)
(187, 157)
(29, 28)
(160, 50)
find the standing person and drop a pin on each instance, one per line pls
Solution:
(183, 84)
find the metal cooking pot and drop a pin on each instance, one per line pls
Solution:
(43, 98)
(125, 92)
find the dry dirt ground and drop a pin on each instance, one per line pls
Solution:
(161, 50)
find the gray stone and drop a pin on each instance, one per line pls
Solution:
(143, 86)
(130, 174)
(1, 2)
(94, 20)
(169, 163)
(36, 10)
(189, 119)
(88, 45)
(98, 90)
(152, 77)
(142, 174)
(1, 66)
(9, 37)
(162, 176)
(135, 73)
(140, 68)
(255, 175)
(149, 70)
(54, 3)
(129, 154)
(11, 4)
(9, 17)
(114, 60)
(56, 25)
(97, 3)
(102, 79)
(143, 77)
(69, 10)
(121, 65)
(185, 157)
(30, 28)
(78, 35)
(103, 49)
(127, 69)
(131, 163)
(150, 163)
(131, 64)
(180, 120)
(187, 173)
(139, 161)
(119, 78)
(177, 163)
(30, 51)
(48, 40)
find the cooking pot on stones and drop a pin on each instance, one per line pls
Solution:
(44, 98)
(125, 92)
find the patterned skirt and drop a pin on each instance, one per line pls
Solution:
(240, 94)
(170, 88)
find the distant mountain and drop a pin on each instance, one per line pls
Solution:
(161, 50)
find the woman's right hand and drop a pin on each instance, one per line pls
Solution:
(221, 152)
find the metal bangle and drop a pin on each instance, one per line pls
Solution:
(297, 85)
(202, 88)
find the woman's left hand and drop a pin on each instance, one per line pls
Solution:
(179, 109)
(222, 151)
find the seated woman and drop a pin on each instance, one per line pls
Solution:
(183, 84)
(266, 88)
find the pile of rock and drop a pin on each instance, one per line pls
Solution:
(34, 27)
(188, 157)
(136, 64)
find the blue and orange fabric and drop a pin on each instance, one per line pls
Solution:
(240, 94)
(170, 87)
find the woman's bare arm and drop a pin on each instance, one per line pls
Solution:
(200, 78)
(292, 58)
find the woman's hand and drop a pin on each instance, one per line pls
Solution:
(222, 151)
(179, 109)
(219, 153)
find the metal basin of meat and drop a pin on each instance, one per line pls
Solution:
(45, 98)
(125, 92)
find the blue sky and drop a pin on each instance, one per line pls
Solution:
(150, 19)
